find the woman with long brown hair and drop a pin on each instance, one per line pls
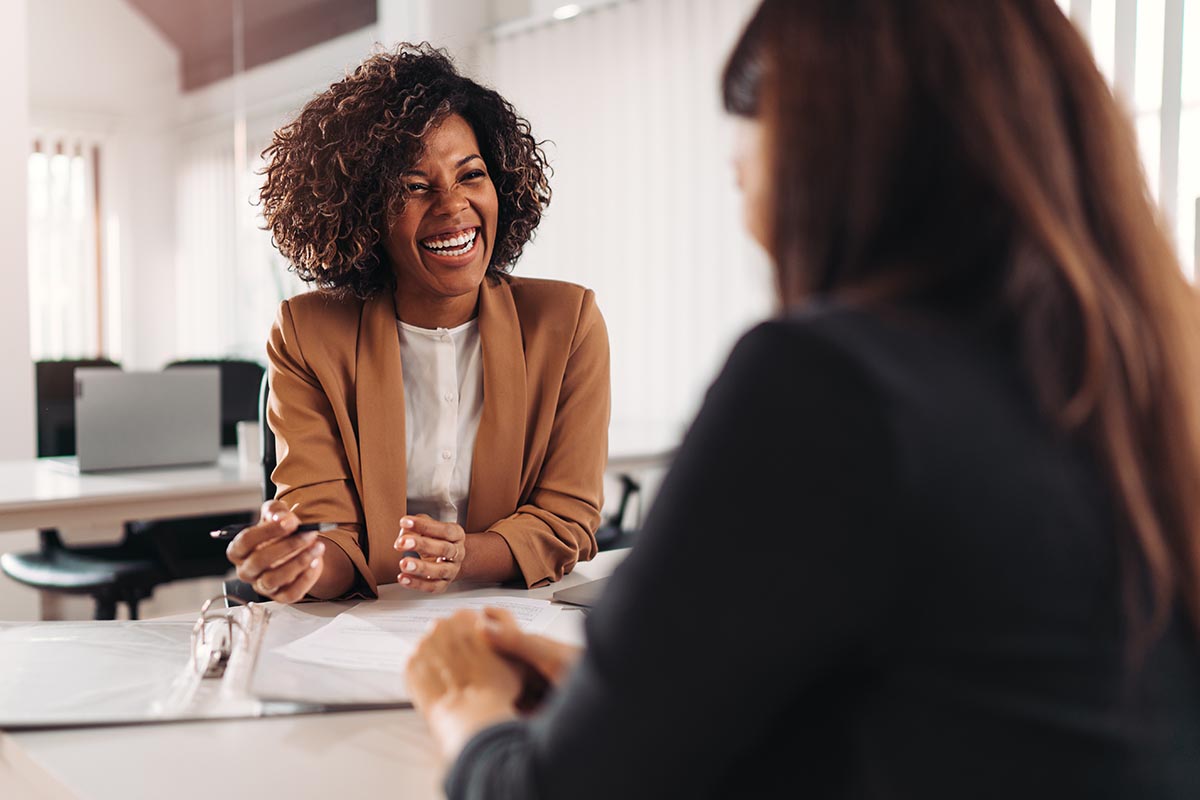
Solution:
(972, 436)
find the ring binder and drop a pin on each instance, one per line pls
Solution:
(212, 664)
(222, 657)
(225, 663)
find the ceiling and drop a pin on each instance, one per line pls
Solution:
(202, 30)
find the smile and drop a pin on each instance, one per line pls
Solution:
(456, 244)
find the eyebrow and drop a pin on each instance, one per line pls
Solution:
(459, 165)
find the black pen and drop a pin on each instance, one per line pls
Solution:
(230, 531)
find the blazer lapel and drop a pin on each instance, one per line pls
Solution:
(379, 394)
(500, 442)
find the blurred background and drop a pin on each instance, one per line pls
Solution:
(129, 160)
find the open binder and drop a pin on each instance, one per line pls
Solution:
(247, 661)
(91, 674)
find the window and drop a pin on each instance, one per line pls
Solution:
(231, 279)
(65, 267)
(1150, 51)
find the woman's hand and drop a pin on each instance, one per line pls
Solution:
(274, 562)
(442, 547)
(548, 661)
(459, 683)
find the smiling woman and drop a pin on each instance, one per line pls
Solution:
(422, 398)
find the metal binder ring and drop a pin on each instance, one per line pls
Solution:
(209, 658)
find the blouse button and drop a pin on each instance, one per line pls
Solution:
(446, 455)
(448, 397)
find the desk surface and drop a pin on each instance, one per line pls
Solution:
(384, 752)
(41, 493)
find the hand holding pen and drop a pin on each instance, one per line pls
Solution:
(279, 556)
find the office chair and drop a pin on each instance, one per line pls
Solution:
(235, 587)
(612, 533)
(239, 391)
(150, 553)
(182, 544)
(54, 387)
(110, 574)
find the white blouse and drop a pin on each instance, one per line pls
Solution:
(443, 400)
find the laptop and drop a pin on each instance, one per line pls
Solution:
(134, 420)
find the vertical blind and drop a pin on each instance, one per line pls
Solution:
(65, 279)
(230, 278)
(645, 209)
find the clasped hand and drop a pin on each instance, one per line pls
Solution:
(442, 547)
(474, 670)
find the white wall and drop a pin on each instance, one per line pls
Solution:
(16, 401)
(97, 65)
(645, 209)
(457, 25)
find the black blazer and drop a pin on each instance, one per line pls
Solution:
(873, 572)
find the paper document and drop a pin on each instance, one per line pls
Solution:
(380, 636)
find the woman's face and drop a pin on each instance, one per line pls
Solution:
(750, 164)
(440, 244)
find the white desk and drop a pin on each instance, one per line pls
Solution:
(38, 493)
(379, 753)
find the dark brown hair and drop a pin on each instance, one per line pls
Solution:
(332, 174)
(933, 146)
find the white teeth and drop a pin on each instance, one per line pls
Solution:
(461, 243)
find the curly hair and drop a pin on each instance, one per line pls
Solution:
(333, 173)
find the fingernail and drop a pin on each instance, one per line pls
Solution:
(410, 542)
(410, 566)
(319, 548)
(406, 523)
(406, 581)
(316, 562)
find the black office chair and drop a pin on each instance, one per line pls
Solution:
(182, 544)
(234, 587)
(54, 388)
(240, 382)
(613, 534)
(110, 574)
(150, 553)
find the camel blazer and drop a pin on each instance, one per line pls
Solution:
(337, 411)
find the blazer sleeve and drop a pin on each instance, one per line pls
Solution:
(557, 525)
(700, 646)
(312, 468)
